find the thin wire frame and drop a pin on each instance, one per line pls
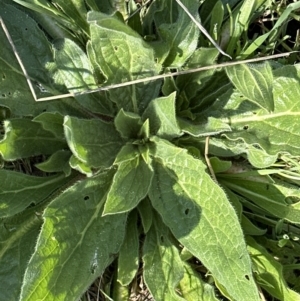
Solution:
(137, 81)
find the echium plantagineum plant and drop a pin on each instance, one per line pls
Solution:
(125, 176)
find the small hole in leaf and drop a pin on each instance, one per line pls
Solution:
(187, 211)
(162, 238)
(116, 48)
(3, 76)
(26, 28)
(245, 127)
(247, 277)
(3, 95)
(86, 198)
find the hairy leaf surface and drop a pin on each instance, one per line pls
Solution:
(130, 185)
(128, 124)
(35, 52)
(74, 69)
(177, 31)
(201, 218)
(24, 138)
(18, 190)
(189, 84)
(52, 122)
(254, 82)
(275, 132)
(74, 244)
(128, 260)
(271, 197)
(146, 213)
(162, 116)
(58, 162)
(163, 268)
(18, 236)
(123, 56)
(87, 145)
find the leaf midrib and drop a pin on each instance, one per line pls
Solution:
(260, 118)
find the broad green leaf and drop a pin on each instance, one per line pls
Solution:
(144, 133)
(163, 268)
(130, 185)
(254, 82)
(219, 165)
(274, 198)
(271, 129)
(267, 133)
(162, 116)
(250, 229)
(287, 71)
(229, 148)
(58, 162)
(176, 30)
(144, 151)
(98, 75)
(18, 236)
(127, 153)
(235, 201)
(259, 158)
(32, 47)
(269, 272)
(24, 138)
(18, 190)
(80, 166)
(193, 288)
(119, 292)
(73, 66)
(95, 142)
(123, 56)
(52, 122)
(189, 84)
(211, 90)
(35, 51)
(76, 243)
(212, 126)
(128, 260)
(96, 16)
(128, 124)
(199, 215)
(146, 213)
